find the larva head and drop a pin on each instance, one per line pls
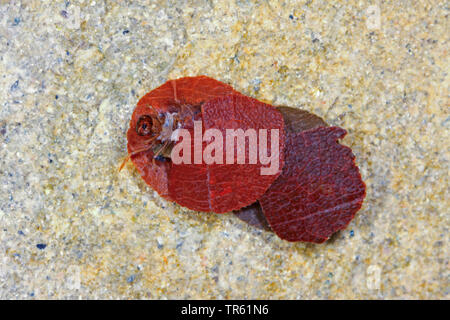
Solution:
(145, 128)
(148, 126)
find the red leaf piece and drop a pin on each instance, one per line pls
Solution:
(169, 97)
(319, 190)
(225, 187)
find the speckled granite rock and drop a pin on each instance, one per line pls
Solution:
(73, 226)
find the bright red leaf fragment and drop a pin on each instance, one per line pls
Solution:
(224, 187)
(171, 97)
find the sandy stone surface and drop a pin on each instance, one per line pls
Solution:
(72, 226)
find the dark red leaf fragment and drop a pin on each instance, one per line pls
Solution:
(319, 190)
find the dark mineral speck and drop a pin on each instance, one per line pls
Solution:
(15, 85)
(131, 278)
